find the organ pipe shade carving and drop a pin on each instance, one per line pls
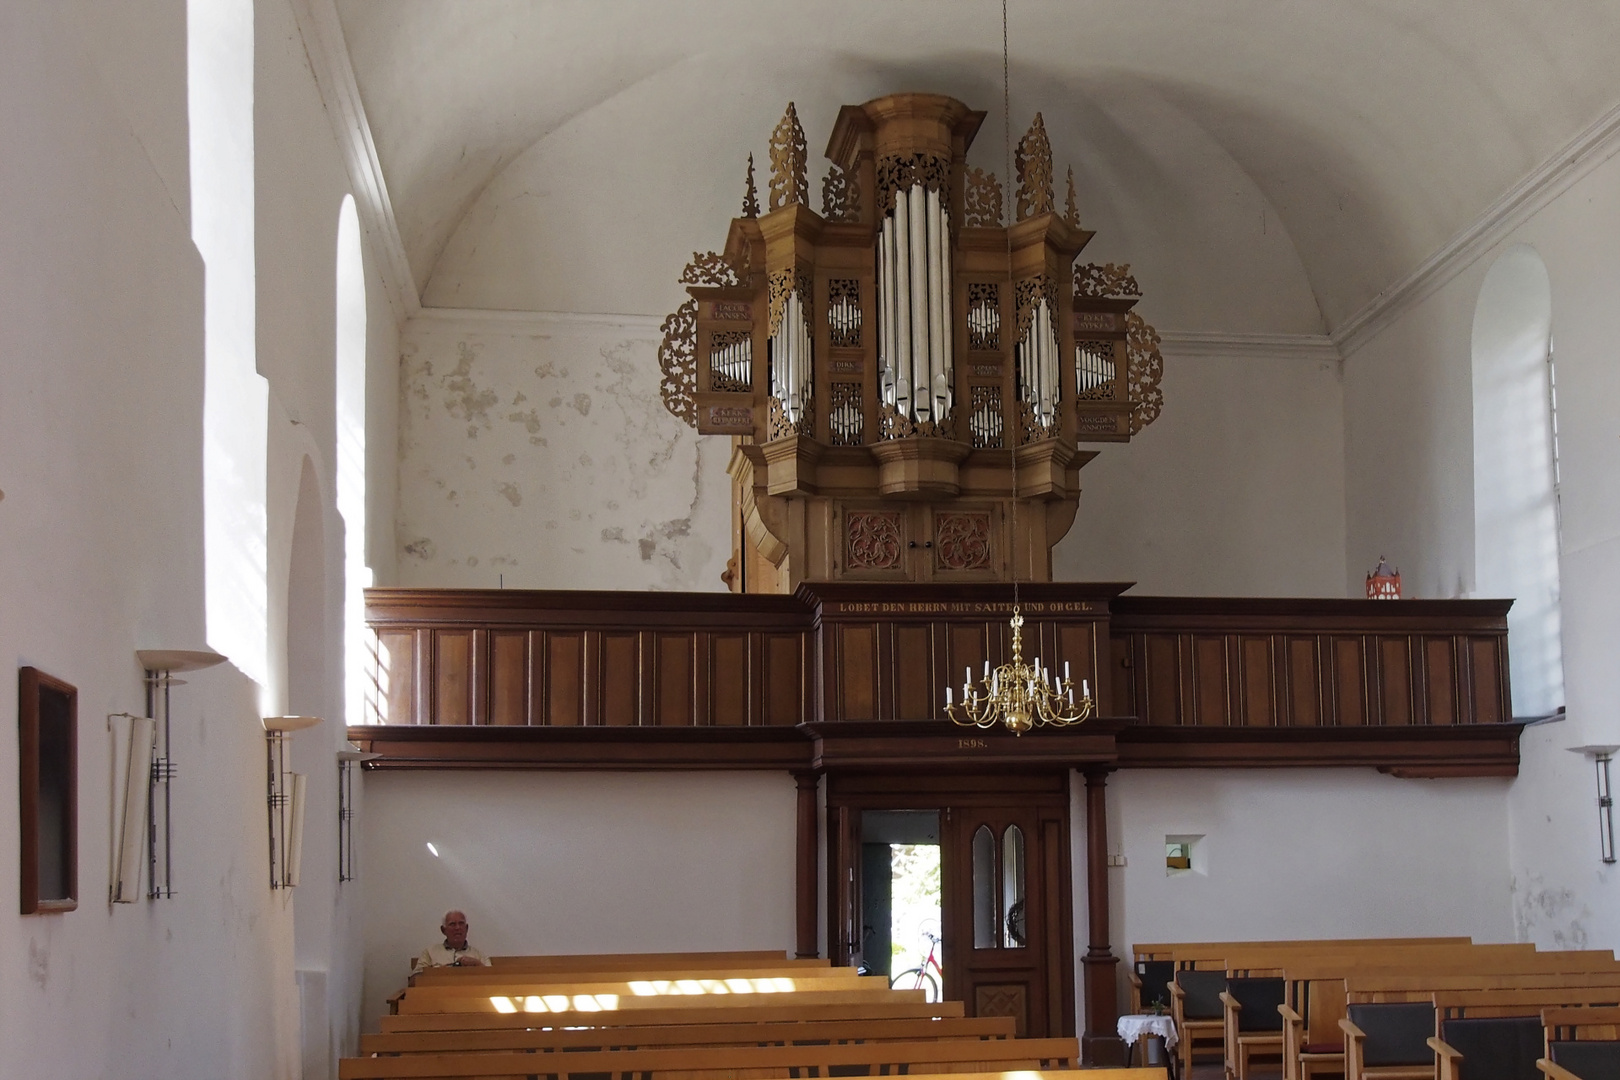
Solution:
(731, 358)
(1145, 367)
(985, 417)
(1033, 165)
(844, 313)
(678, 362)
(982, 200)
(845, 416)
(791, 362)
(984, 316)
(1039, 376)
(788, 162)
(1093, 369)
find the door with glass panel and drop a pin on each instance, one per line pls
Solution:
(1011, 958)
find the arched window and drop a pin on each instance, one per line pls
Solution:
(1516, 518)
(351, 455)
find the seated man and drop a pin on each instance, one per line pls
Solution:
(455, 952)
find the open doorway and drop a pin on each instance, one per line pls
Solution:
(901, 915)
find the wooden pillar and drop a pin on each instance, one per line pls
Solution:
(808, 884)
(1100, 1045)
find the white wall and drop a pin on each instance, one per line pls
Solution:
(538, 448)
(551, 862)
(1237, 489)
(101, 461)
(1409, 458)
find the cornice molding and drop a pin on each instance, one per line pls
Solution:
(328, 54)
(1210, 345)
(1572, 162)
(505, 321)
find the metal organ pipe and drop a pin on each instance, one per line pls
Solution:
(790, 359)
(921, 404)
(914, 286)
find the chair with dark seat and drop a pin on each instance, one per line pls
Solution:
(1304, 1060)
(1589, 1059)
(1253, 1026)
(1389, 1041)
(1489, 1048)
(1150, 985)
(1195, 1003)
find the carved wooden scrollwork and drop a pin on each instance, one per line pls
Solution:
(846, 420)
(1071, 209)
(710, 268)
(982, 205)
(677, 359)
(1109, 279)
(781, 282)
(962, 541)
(1030, 428)
(1034, 167)
(897, 425)
(777, 426)
(750, 194)
(872, 540)
(840, 195)
(1027, 294)
(898, 172)
(789, 159)
(985, 416)
(1144, 368)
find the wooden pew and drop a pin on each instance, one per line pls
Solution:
(663, 1036)
(1164, 950)
(467, 976)
(1252, 1024)
(778, 1010)
(617, 996)
(616, 961)
(724, 1062)
(1585, 1059)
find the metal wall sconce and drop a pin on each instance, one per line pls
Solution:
(1601, 755)
(158, 758)
(347, 759)
(284, 793)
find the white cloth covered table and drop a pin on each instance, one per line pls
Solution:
(1133, 1027)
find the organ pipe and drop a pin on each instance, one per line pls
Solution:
(914, 286)
(1038, 369)
(791, 368)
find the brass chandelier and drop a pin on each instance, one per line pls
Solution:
(1017, 695)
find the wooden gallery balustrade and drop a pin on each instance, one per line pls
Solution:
(482, 678)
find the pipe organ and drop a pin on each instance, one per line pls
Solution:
(884, 368)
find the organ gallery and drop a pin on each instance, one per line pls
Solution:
(886, 367)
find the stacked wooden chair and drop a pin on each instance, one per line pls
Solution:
(689, 1017)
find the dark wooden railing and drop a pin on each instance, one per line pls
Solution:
(1414, 686)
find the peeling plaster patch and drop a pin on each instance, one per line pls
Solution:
(510, 492)
(574, 515)
(421, 549)
(502, 560)
(521, 398)
(465, 401)
(551, 524)
(585, 460)
(472, 464)
(612, 505)
(508, 459)
(649, 547)
(582, 404)
(615, 534)
(554, 402)
(472, 560)
(39, 963)
(530, 420)
(1543, 913)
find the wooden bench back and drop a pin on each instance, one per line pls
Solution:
(614, 961)
(773, 1010)
(663, 1036)
(492, 976)
(723, 1062)
(1166, 950)
(1594, 1022)
(612, 997)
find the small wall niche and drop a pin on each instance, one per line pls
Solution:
(1184, 854)
(48, 789)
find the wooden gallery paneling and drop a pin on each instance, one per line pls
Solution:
(1183, 662)
(572, 659)
(888, 652)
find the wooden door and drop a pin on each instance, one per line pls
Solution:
(1006, 916)
(1006, 905)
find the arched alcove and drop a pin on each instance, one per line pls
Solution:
(1516, 528)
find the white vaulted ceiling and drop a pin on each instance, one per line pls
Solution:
(1266, 165)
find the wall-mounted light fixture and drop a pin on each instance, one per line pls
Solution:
(1601, 755)
(160, 666)
(284, 793)
(347, 759)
